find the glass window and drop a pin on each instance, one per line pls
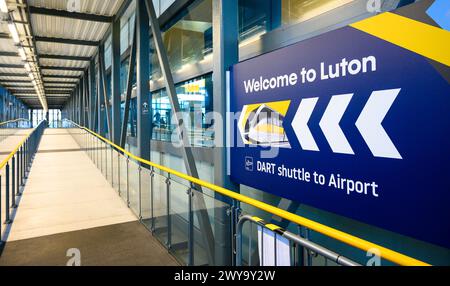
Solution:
(124, 43)
(294, 11)
(257, 17)
(108, 52)
(187, 38)
(195, 97)
(254, 18)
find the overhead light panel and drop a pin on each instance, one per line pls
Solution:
(3, 6)
(22, 54)
(14, 34)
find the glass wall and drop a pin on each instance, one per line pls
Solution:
(11, 107)
(294, 11)
(257, 17)
(187, 38)
(195, 97)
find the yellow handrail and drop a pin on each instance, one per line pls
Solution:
(5, 161)
(14, 120)
(346, 238)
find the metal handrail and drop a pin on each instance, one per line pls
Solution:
(339, 259)
(13, 152)
(344, 237)
(14, 120)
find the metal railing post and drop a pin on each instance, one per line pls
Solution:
(169, 219)
(191, 193)
(7, 218)
(1, 209)
(128, 183)
(18, 174)
(118, 172)
(22, 160)
(152, 176)
(140, 193)
(13, 182)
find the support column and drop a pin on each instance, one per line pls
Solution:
(115, 84)
(81, 99)
(225, 54)
(144, 102)
(100, 98)
(92, 97)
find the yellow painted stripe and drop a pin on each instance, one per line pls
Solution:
(257, 219)
(426, 40)
(272, 227)
(349, 239)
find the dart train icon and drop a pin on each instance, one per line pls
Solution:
(262, 124)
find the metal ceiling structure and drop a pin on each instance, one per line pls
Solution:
(60, 39)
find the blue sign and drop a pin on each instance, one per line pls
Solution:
(350, 123)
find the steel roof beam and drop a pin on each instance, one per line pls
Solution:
(59, 82)
(58, 87)
(9, 54)
(11, 66)
(14, 81)
(67, 41)
(60, 76)
(64, 57)
(62, 68)
(10, 85)
(71, 15)
(14, 74)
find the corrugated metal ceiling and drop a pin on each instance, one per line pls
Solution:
(55, 26)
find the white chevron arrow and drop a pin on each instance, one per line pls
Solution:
(300, 124)
(369, 124)
(330, 124)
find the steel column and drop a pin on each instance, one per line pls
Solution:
(81, 98)
(92, 97)
(115, 83)
(188, 156)
(131, 68)
(101, 63)
(225, 54)
(144, 100)
(100, 98)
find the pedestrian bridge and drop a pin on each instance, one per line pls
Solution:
(69, 193)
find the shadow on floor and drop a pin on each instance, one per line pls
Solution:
(126, 244)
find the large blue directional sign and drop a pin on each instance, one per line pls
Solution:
(355, 121)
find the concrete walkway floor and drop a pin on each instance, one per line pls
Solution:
(64, 196)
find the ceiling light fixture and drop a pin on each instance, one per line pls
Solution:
(14, 34)
(3, 6)
(22, 54)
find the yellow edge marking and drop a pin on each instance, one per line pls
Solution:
(421, 38)
(349, 239)
(257, 219)
(272, 227)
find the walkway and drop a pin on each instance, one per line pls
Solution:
(67, 203)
